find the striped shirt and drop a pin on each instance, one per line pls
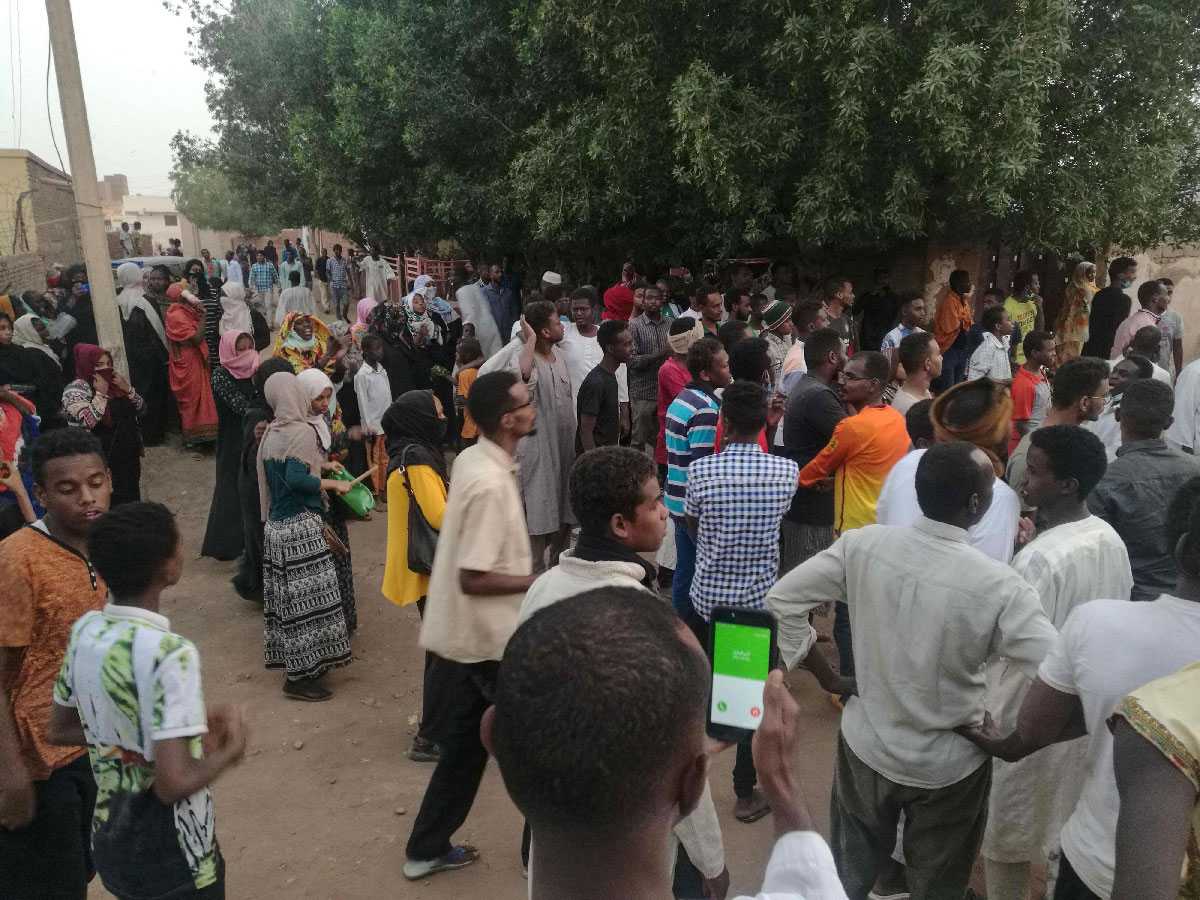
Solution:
(649, 337)
(860, 454)
(691, 432)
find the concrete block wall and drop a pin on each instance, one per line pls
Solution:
(22, 272)
(53, 205)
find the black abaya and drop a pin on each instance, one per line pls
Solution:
(223, 538)
(33, 375)
(122, 443)
(148, 373)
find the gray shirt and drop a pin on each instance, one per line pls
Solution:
(1133, 497)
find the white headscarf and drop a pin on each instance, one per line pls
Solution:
(315, 382)
(289, 434)
(25, 335)
(235, 315)
(133, 296)
(425, 286)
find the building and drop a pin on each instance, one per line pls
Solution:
(160, 218)
(113, 190)
(38, 223)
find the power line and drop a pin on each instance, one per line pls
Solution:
(49, 120)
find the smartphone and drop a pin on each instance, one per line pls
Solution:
(743, 652)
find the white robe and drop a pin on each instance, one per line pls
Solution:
(376, 273)
(475, 310)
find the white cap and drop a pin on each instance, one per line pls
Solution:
(551, 278)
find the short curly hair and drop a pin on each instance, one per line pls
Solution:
(607, 481)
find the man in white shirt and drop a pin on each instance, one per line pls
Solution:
(598, 730)
(1106, 650)
(475, 311)
(616, 497)
(991, 357)
(1076, 558)
(1184, 432)
(374, 394)
(926, 610)
(979, 413)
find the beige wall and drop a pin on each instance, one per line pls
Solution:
(1181, 265)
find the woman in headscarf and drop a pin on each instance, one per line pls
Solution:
(331, 441)
(189, 366)
(248, 581)
(76, 314)
(31, 332)
(103, 402)
(364, 314)
(304, 625)
(414, 428)
(232, 387)
(237, 315)
(305, 342)
(33, 375)
(1071, 326)
(347, 400)
(406, 364)
(145, 349)
(193, 273)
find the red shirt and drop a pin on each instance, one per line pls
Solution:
(762, 437)
(618, 303)
(673, 377)
(1023, 391)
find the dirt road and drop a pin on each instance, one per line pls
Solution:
(323, 804)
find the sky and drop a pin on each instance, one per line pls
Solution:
(139, 84)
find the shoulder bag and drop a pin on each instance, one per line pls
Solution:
(422, 537)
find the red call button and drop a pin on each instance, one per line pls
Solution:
(755, 712)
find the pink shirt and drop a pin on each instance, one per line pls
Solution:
(673, 377)
(1137, 320)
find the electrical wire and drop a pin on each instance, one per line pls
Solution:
(49, 120)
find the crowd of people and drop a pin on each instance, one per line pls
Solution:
(994, 523)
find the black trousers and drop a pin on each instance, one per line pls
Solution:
(433, 703)
(1069, 885)
(466, 691)
(51, 857)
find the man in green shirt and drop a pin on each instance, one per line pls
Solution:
(1025, 308)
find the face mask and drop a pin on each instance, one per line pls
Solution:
(1126, 284)
(430, 291)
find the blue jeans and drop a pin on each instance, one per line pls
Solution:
(685, 568)
(341, 301)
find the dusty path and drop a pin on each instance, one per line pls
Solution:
(323, 804)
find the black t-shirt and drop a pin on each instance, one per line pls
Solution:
(598, 397)
(1110, 307)
(844, 326)
(813, 411)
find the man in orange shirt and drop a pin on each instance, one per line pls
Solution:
(859, 455)
(951, 324)
(47, 791)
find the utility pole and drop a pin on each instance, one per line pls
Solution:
(83, 179)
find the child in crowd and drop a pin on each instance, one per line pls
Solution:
(374, 394)
(467, 360)
(991, 358)
(129, 688)
(993, 296)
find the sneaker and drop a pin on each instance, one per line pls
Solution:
(457, 858)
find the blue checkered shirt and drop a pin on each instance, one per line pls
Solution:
(739, 496)
(335, 271)
(264, 276)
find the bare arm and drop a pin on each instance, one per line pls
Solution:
(178, 775)
(1047, 717)
(525, 360)
(1157, 802)
(66, 729)
(491, 584)
(829, 680)
(587, 431)
(1022, 426)
(16, 787)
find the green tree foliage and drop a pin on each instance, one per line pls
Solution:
(207, 196)
(680, 127)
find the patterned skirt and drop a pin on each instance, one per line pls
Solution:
(304, 622)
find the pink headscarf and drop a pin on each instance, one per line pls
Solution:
(241, 365)
(364, 311)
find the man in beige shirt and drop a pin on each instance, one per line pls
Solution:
(481, 571)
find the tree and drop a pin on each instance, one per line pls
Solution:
(205, 194)
(691, 127)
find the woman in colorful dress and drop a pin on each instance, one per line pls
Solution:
(304, 625)
(232, 387)
(188, 367)
(1071, 326)
(305, 342)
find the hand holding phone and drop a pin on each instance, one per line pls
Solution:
(743, 653)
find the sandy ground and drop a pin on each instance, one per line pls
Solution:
(324, 801)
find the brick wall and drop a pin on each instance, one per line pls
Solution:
(53, 205)
(22, 272)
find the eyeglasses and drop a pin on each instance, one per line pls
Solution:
(531, 402)
(848, 377)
